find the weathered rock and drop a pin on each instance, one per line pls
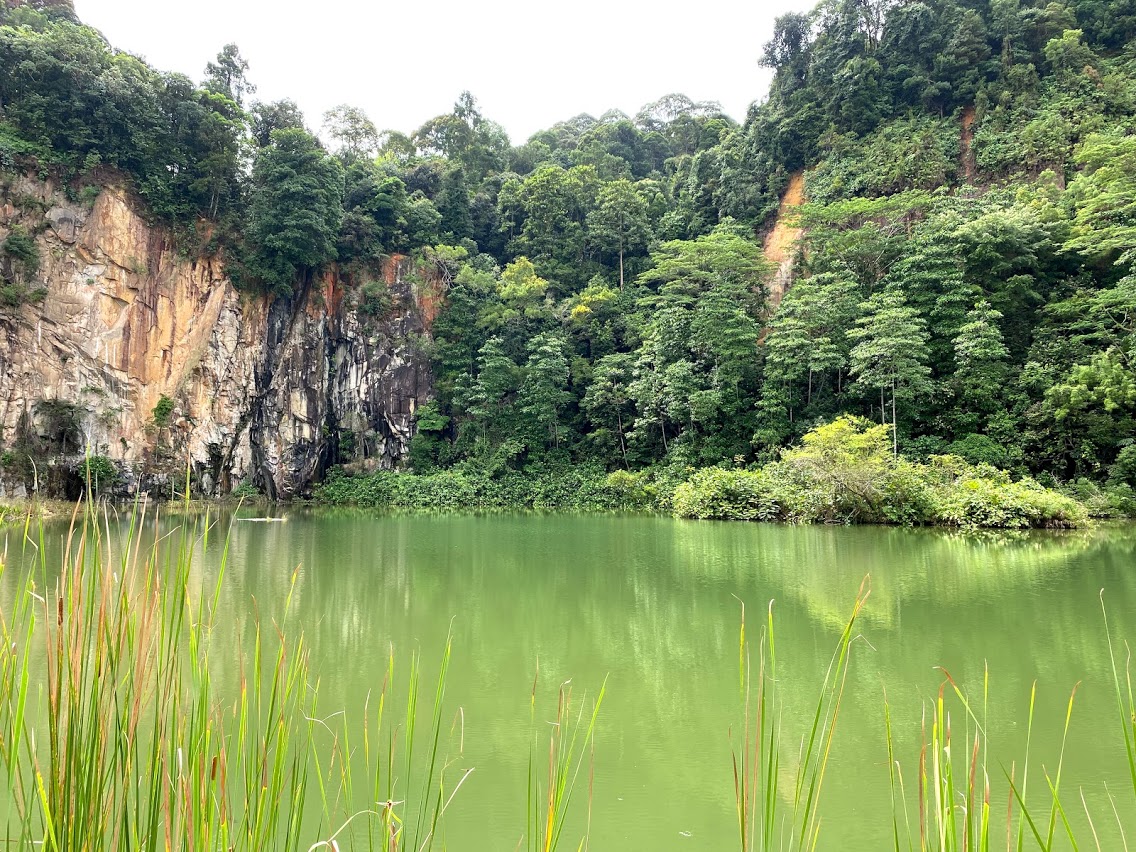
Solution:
(264, 392)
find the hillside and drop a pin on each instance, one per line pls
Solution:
(930, 221)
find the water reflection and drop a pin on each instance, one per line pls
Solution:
(653, 605)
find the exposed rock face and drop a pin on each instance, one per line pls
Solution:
(269, 393)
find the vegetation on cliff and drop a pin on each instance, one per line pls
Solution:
(965, 276)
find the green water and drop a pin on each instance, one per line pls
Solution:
(652, 605)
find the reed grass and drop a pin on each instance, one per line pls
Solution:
(113, 736)
(956, 808)
(553, 781)
(778, 804)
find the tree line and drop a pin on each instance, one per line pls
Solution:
(966, 275)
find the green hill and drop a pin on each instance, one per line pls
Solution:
(964, 271)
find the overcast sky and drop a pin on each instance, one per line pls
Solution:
(529, 64)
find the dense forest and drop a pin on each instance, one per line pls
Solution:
(965, 275)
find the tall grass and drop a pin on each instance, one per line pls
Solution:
(778, 804)
(554, 779)
(956, 809)
(113, 736)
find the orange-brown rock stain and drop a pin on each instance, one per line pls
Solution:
(780, 243)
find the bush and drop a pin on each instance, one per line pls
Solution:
(99, 473)
(844, 472)
(20, 248)
(375, 300)
(245, 491)
(978, 501)
(573, 489)
(163, 411)
(735, 495)
(980, 449)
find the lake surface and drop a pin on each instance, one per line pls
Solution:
(653, 606)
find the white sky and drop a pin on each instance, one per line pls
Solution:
(529, 64)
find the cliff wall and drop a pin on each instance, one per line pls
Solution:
(258, 391)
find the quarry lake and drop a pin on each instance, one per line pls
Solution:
(653, 606)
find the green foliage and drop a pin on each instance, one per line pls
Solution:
(73, 102)
(60, 425)
(844, 472)
(731, 495)
(965, 269)
(375, 301)
(245, 491)
(19, 262)
(1105, 198)
(163, 411)
(20, 248)
(579, 489)
(911, 153)
(295, 211)
(98, 473)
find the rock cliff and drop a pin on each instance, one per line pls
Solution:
(156, 362)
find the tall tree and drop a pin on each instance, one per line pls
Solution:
(619, 221)
(295, 209)
(228, 75)
(981, 356)
(890, 351)
(353, 130)
(544, 391)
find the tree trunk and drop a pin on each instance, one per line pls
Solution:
(622, 444)
(621, 269)
(894, 430)
(663, 429)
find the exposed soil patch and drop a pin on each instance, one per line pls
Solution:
(781, 241)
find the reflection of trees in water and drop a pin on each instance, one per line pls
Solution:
(651, 603)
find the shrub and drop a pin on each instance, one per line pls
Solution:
(21, 249)
(736, 495)
(99, 473)
(979, 449)
(245, 491)
(375, 300)
(162, 412)
(844, 472)
(573, 489)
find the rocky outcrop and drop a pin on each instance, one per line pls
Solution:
(265, 392)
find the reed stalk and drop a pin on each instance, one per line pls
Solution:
(113, 735)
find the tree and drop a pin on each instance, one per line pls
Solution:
(1105, 198)
(229, 75)
(554, 203)
(277, 115)
(608, 395)
(619, 221)
(722, 255)
(807, 340)
(981, 356)
(1094, 409)
(498, 378)
(544, 391)
(890, 350)
(295, 209)
(353, 130)
(465, 137)
(724, 333)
